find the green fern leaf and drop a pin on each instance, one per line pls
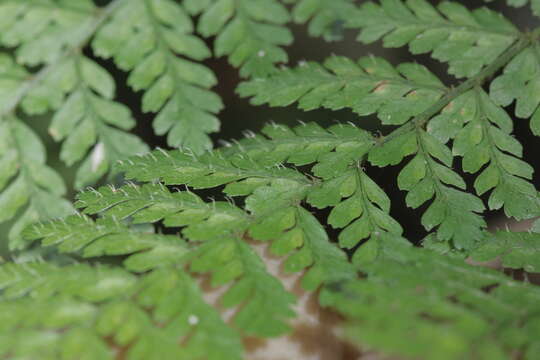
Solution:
(108, 237)
(281, 220)
(226, 258)
(519, 82)
(516, 250)
(273, 193)
(176, 88)
(429, 174)
(27, 184)
(93, 126)
(249, 32)
(82, 312)
(467, 40)
(486, 139)
(265, 303)
(150, 203)
(28, 187)
(371, 85)
(41, 30)
(364, 212)
(441, 307)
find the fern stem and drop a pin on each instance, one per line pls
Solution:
(477, 80)
(35, 79)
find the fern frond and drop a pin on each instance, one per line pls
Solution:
(26, 183)
(265, 305)
(227, 258)
(107, 236)
(249, 32)
(467, 40)
(370, 85)
(84, 312)
(429, 175)
(273, 194)
(208, 170)
(62, 28)
(93, 126)
(519, 82)
(273, 214)
(176, 88)
(326, 18)
(364, 212)
(516, 250)
(440, 307)
(77, 89)
(41, 30)
(486, 139)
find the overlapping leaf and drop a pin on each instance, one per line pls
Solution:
(370, 85)
(273, 193)
(467, 40)
(249, 32)
(176, 88)
(272, 214)
(416, 303)
(226, 258)
(84, 312)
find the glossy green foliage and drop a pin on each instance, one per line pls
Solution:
(419, 304)
(249, 32)
(369, 85)
(84, 312)
(176, 87)
(466, 40)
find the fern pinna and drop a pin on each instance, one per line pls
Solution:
(119, 278)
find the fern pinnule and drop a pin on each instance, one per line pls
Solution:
(95, 313)
(176, 88)
(250, 32)
(466, 40)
